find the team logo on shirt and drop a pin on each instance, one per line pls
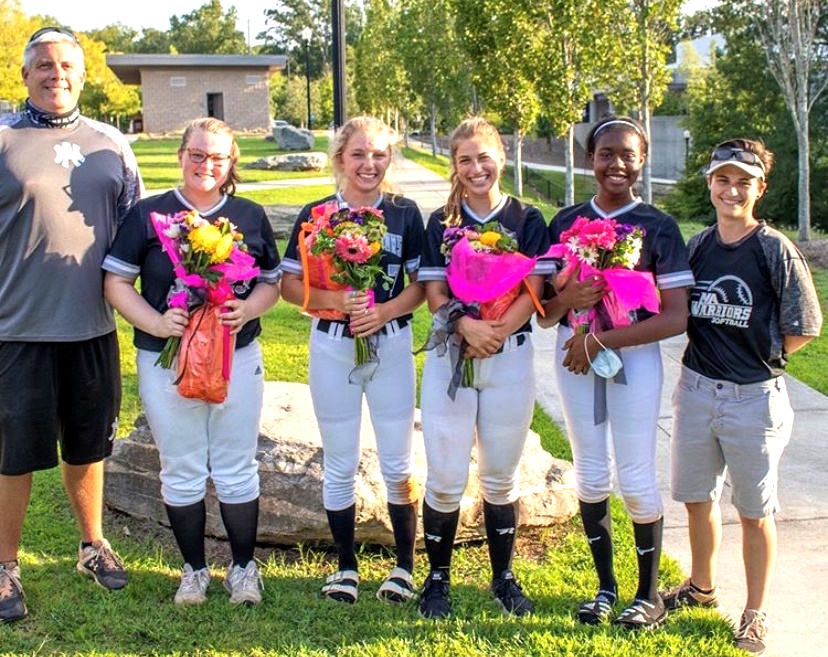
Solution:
(66, 153)
(727, 300)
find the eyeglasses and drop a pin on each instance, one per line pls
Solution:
(199, 157)
(48, 30)
(725, 153)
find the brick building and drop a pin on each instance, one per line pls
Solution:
(178, 88)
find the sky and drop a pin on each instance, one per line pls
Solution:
(85, 15)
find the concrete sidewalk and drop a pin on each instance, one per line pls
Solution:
(803, 522)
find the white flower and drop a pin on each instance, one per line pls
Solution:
(173, 231)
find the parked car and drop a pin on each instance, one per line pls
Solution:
(278, 123)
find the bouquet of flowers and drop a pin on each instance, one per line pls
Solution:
(484, 272)
(613, 249)
(206, 257)
(342, 249)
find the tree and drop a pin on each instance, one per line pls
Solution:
(734, 97)
(289, 17)
(380, 80)
(104, 96)
(798, 61)
(209, 30)
(118, 38)
(154, 42)
(503, 48)
(577, 45)
(646, 29)
(426, 33)
(16, 28)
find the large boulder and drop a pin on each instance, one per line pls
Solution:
(290, 467)
(288, 138)
(282, 219)
(313, 161)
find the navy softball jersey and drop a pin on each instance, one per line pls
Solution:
(663, 254)
(137, 252)
(400, 249)
(524, 221)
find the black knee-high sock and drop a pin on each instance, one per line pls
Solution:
(439, 530)
(598, 528)
(188, 524)
(404, 523)
(343, 525)
(241, 522)
(648, 550)
(501, 528)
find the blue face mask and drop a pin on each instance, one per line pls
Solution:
(607, 363)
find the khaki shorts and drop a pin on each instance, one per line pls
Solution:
(721, 427)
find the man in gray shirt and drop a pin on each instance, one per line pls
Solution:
(65, 183)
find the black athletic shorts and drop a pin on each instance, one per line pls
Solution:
(66, 393)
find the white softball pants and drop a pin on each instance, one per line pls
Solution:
(197, 440)
(337, 405)
(497, 411)
(626, 441)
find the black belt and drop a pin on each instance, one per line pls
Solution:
(325, 325)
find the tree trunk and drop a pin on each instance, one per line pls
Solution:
(804, 214)
(517, 148)
(569, 158)
(647, 183)
(432, 126)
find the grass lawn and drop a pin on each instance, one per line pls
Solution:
(68, 615)
(160, 170)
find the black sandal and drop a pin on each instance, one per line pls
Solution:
(599, 609)
(642, 615)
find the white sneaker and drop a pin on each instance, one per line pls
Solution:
(244, 584)
(193, 587)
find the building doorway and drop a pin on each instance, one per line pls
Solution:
(215, 105)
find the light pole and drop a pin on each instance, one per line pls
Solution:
(306, 34)
(686, 145)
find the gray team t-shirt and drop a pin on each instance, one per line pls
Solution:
(748, 296)
(63, 192)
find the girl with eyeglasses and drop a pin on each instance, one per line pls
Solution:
(198, 440)
(753, 305)
(612, 422)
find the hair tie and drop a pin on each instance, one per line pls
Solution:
(625, 122)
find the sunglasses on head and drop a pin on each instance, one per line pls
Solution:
(726, 153)
(49, 30)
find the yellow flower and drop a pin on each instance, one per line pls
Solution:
(205, 239)
(223, 249)
(375, 246)
(490, 238)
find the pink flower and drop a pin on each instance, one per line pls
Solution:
(599, 234)
(353, 248)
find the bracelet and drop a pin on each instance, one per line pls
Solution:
(586, 348)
